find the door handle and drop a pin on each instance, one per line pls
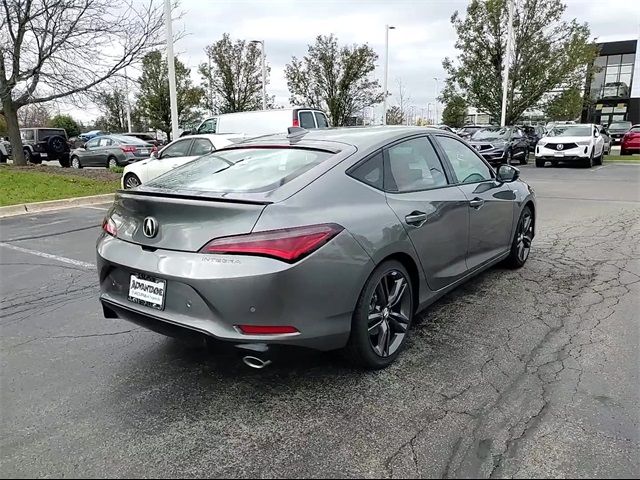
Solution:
(476, 203)
(416, 218)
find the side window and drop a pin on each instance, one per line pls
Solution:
(370, 172)
(321, 120)
(208, 126)
(27, 135)
(306, 119)
(414, 165)
(466, 164)
(93, 143)
(178, 149)
(201, 146)
(105, 142)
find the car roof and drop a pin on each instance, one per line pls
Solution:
(336, 138)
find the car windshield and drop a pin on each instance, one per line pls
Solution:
(576, 131)
(620, 125)
(244, 170)
(491, 134)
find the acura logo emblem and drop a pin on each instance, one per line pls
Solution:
(560, 146)
(150, 227)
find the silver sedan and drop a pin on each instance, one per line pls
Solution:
(328, 239)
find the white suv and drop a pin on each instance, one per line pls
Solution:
(581, 144)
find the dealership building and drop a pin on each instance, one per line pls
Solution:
(614, 89)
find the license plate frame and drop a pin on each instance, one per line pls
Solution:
(148, 298)
(144, 151)
(558, 154)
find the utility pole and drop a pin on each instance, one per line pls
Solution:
(386, 71)
(507, 62)
(173, 97)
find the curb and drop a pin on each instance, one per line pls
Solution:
(26, 208)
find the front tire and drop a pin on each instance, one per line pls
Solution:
(623, 151)
(382, 317)
(525, 157)
(588, 162)
(521, 244)
(131, 180)
(540, 163)
(75, 162)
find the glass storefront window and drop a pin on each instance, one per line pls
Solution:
(629, 58)
(614, 60)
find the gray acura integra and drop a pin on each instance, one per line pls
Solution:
(328, 239)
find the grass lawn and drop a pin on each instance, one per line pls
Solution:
(623, 159)
(27, 185)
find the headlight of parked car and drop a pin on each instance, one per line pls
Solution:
(542, 143)
(584, 142)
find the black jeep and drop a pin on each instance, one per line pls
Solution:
(45, 144)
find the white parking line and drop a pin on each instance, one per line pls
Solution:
(597, 168)
(70, 261)
(97, 208)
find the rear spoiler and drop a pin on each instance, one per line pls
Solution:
(203, 197)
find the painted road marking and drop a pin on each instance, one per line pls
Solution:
(57, 258)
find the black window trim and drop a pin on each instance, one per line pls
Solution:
(387, 166)
(454, 176)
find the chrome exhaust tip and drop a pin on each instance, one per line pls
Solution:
(255, 362)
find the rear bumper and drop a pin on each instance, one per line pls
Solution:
(212, 294)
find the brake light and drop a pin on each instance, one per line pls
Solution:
(154, 148)
(128, 149)
(288, 245)
(109, 226)
(296, 123)
(266, 330)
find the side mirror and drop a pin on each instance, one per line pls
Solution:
(507, 173)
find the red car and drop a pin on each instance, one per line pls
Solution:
(631, 141)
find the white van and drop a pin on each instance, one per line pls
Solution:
(263, 122)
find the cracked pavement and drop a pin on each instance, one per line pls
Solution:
(527, 373)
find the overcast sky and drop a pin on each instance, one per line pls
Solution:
(422, 38)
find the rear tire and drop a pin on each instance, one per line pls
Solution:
(525, 158)
(65, 161)
(521, 243)
(540, 163)
(112, 162)
(381, 318)
(3, 158)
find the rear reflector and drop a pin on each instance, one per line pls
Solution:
(109, 226)
(288, 245)
(266, 330)
(296, 123)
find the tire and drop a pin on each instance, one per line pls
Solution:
(112, 162)
(522, 238)
(588, 162)
(525, 158)
(372, 323)
(75, 162)
(598, 161)
(3, 158)
(64, 161)
(540, 163)
(554, 164)
(31, 158)
(131, 180)
(623, 151)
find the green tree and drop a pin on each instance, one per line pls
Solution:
(67, 122)
(233, 83)
(455, 111)
(567, 105)
(335, 79)
(548, 53)
(395, 116)
(153, 96)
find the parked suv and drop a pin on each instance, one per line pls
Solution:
(5, 150)
(45, 144)
(617, 130)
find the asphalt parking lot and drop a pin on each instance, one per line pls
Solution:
(528, 373)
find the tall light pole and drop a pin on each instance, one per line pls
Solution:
(429, 113)
(435, 120)
(386, 71)
(173, 97)
(264, 74)
(507, 61)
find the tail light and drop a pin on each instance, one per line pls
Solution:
(128, 149)
(288, 245)
(154, 149)
(109, 226)
(296, 122)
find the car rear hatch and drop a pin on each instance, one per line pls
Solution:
(180, 222)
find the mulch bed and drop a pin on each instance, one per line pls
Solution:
(92, 173)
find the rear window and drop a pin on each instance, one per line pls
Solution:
(306, 120)
(129, 140)
(48, 132)
(321, 120)
(620, 125)
(244, 170)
